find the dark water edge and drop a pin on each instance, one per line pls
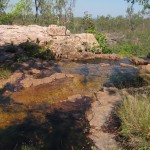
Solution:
(61, 127)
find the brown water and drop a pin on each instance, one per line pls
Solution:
(42, 117)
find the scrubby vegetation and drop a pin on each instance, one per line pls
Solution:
(126, 35)
(135, 121)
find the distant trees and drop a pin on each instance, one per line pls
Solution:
(88, 24)
(23, 10)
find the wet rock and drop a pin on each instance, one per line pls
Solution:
(35, 71)
(104, 65)
(74, 97)
(145, 72)
(30, 81)
(146, 68)
(11, 80)
(138, 61)
(127, 65)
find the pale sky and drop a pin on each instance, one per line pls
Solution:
(101, 7)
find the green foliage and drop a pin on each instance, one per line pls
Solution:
(95, 49)
(22, 9)
(5, 72)
(6, 18)
(135, 121)
(101, 38)
(34, 50)
(128, 49)
(88, 23)
(3, 5)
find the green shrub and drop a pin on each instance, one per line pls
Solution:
(135, 121)
(101, 38)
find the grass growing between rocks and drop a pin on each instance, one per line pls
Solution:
(5, 72)
(135, 122)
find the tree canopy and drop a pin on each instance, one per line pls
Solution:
(3, 5)
(145, 3)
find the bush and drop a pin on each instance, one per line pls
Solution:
(101, 38)
(135, 121)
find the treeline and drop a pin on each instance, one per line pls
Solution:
(42, 12)
(135, 27)
(45, 12)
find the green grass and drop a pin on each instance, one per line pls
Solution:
(135, 121)
(5, 72)
(135, 43)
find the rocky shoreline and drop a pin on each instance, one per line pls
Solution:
(35, 83)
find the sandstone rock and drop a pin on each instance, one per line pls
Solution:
(54, 30)
(35, 71)
(104, 65)
(127, 65)
(11, 80)
(30, 81)
(62, 45)
(100, 111)
(138, 61)
(88, 38)
(74, 97)
(146, 68)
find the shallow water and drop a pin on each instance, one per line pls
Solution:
(42, 118)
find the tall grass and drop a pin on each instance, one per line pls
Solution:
(135, 121)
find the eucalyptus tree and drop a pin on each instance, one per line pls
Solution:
(22, 10)
(88, 24)
(3, 5)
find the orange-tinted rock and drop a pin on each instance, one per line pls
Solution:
(138, 61)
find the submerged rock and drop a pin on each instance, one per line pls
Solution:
(127, 65)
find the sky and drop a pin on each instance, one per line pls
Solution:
(101, 7)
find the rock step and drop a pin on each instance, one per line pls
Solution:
(100, 111)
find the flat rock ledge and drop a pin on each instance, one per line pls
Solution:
(26, 81)
(100, 111)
